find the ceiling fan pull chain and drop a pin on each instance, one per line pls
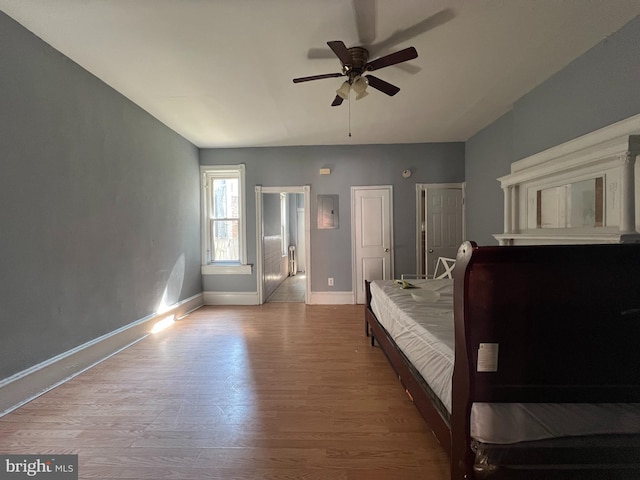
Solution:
(349, 115)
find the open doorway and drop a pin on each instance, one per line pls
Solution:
(283, 244)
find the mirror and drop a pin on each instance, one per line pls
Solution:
(573, 205)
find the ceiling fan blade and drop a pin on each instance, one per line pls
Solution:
(384, 87)
(337, 101)
(366, 13)
(435, 20)
(341, 51)
(317, 77)
(393, 58)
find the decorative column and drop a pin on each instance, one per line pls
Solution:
(508, 201)
(515, 209)
(627, 193)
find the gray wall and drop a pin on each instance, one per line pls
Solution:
(99, 206)
(295, 200)
(597, 89)
(488, 156)
(271, 214)
(350, 165)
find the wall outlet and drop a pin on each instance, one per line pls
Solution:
(330, 281)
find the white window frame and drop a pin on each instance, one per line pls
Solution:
(208, 173)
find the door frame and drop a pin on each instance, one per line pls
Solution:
(305, 190)
(354, 268)
(421, 190)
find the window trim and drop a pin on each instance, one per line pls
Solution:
(209, 267)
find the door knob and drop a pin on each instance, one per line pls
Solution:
(386, 249)
(431, 250)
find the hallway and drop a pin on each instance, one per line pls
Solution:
(290, 290)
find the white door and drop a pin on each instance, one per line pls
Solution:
(443, 224)
(372, 237)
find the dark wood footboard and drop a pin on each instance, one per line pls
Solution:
(543, 324)
(539, 324)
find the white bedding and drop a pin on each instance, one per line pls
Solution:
(423, 330)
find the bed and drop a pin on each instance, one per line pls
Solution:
(527, 363)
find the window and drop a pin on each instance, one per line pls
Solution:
(223, 220)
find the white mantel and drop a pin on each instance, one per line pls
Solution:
(606, 157)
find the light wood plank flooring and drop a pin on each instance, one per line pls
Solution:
(280, 391)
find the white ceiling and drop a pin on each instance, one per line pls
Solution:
(219, 72)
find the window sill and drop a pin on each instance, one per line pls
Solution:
(230, 269)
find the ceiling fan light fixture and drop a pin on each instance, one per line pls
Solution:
(343, 91)
(355, 62)
(360, 87)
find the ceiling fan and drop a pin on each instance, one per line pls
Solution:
(355, 63)
(355, 60)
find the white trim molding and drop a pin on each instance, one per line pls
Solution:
(230, 298)
(246, 269)
(332, 298)
(24, 386)
(251, 298)
(607, 159)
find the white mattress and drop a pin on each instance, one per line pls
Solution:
(423, 330)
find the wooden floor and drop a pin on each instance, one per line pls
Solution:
(280, 391)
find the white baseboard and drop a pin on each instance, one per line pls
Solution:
(230, 298)
(332, 298)
(251, 298)
(24, 386)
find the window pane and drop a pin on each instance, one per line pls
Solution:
(225, 198)
(226, 241)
